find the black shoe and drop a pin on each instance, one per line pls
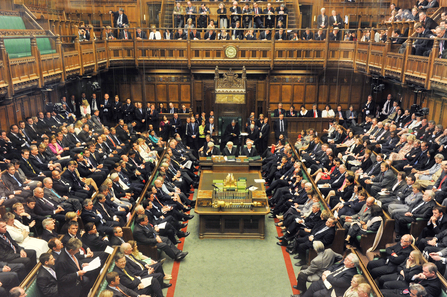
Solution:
(165, 285)
(186, 209)
(184, 225)
(280, 237)
(297, 257)
(299, 263)
(272, 216)
(162, 261)
(177, 242)
(183, 234)
(190, 217)
(180, 256)
(290, 251)
(282, 243)
(296, 287)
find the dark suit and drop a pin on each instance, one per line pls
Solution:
(250, 153)
(146, 235)
(69, 283)
(340, 279)
(278, 130)
(421, 210)
(46, 283)
(122, 35)
(322, 20)
(47, 235)
(132, 283)
(141, 35)
(390, 263)
(277, 112)
(226, 151)
(337, 22)
(10, 255)
(126, 291)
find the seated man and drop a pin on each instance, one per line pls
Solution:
(11, 252)
(143, 269)
(92, 240)
(10, 276)
(249, 150)
(229, 150)
(395, 255)
(323, 231)
(324, 259)
(46, 278)
(427, 279)
(211, 150)
(48, 229)
(423, 210)
(117, 288)
(145, 234)
(338, 275)
(89, 214)
(131, 281)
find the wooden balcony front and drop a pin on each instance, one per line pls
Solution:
(91, 57)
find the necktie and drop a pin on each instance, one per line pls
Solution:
(57, 195)
(131, 277)
(110, 138)
(52, 272)
(315, 114)
(20, 184)
(32, 168)
(121, 291)
(365, 209)
(442, 181)
(414, 209)
(26, 136)
(321, 231)
(8, 242)
(77, 264)
(281, 126)
(136, 262)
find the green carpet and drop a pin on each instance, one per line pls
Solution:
(232, 267)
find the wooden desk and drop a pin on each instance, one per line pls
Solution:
(234, 222)
(229, 166)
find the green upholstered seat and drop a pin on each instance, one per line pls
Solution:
(12, 23)
(104, 283)
(18, 48)
(33, 290)
(44, 46)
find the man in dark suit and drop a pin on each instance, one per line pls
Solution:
(117, 288)
(395, 255)
(117, 237)
(10, 276)
(335, 20)
(280, 127)
(132, 282)
(384, 180)
(193, 134)
(139, 34)
(92, 240)
(335, 35)
(180, 35)
(73, 180)
(264, 132)
(176, 124)
(128, 110)
(281, 35)
(323, 231)
(230, 149)
(11, 252)
(265, 35)
(249, 150)
(257, 13)
(72, 281)
(46, 278)
(48, 229)
(124, 33)
(307, 35)
(422, 209)
(322, 19)
(420, 46)
(91, 215)
(142, 268)
(338, 275)
(145, 234)
(269, 17)
(44, 207)
(279, 110)
(427, 281)
(119, 18)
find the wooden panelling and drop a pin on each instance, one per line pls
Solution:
(150, 92)
(161, 93)
(173, 93)
(436, 112)
(136, 92)
(334, 92)
(344, 94)
(323, 94)
(275, 93)
(299, 92)
(286, 93)
(185, 94)
(125, 92)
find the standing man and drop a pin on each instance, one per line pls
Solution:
(119, 18)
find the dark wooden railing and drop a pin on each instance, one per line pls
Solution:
(75, 58)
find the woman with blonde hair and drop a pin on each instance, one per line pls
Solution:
(406, 148)
(20, 234)
(356, 280)
(189, 25)
(405, 272)
(106, 293)
(85, 108)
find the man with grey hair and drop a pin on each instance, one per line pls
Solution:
(338, 275)
(142, 269)
(324, 259)
(68, 204)
(48, 229)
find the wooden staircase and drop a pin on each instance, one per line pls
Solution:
(294, 14)
(168, 8)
